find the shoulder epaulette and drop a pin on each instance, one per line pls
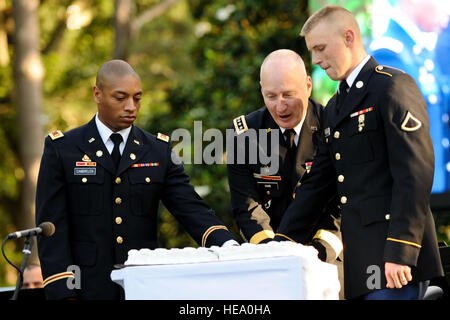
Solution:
(56, 134)
(382, 70)
(240, 124)
(379, 69)
(163, 137)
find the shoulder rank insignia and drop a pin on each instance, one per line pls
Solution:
(163, 137)
(240, 125)
(56, 134)
(410, 123)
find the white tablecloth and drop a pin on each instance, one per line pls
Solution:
(281, 278)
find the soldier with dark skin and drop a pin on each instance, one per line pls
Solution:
(100, 185)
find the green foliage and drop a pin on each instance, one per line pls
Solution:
(160, 54)
(10, 169)
(71, 63)
(442, 222)
(228, 57)
(233, 39)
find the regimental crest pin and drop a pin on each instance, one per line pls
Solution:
(56, 134)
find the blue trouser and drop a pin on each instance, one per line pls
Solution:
(414, 291)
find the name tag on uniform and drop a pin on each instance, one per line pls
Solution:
(84, 171)
(268, 185)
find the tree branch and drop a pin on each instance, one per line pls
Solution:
(58, 32)
(150, 14)
(56, 37)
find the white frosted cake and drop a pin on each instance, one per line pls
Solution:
(242, 252)
(271, 271)
(170, 256)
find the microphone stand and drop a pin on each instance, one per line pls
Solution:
(26, 253)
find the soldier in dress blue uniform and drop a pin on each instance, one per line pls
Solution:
(377, 150)
(260, 193)
(100, 185)
(408, 44)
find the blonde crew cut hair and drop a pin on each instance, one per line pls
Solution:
(328, 12)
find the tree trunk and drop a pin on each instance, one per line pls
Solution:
(122, 18)
(28, 74)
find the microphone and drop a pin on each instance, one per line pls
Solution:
(46, 229)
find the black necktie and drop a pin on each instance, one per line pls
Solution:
(289, 135)
(343, 86)
(117, 139)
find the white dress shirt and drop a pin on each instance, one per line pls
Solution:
(297, 130)
(352, 77)
(105, 134)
